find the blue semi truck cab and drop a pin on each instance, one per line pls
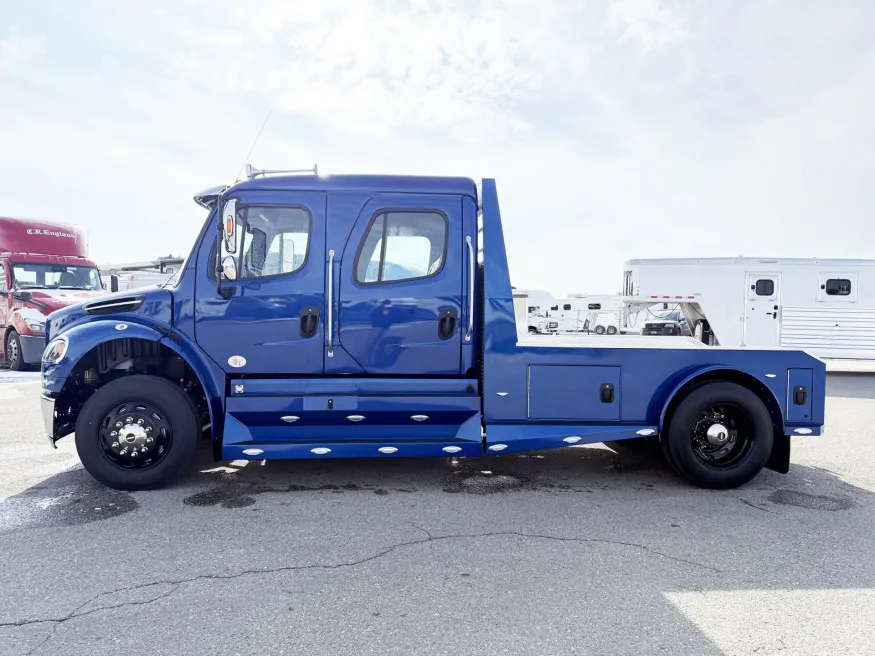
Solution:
(372, 317)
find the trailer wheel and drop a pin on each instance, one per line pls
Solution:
(599, 330)
(612, 330)
(14, 357)
(533, 330)
(720, 436)
(137, 433)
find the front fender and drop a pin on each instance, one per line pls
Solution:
(83, 338)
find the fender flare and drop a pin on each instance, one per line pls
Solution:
(85, 337)
(711, 369)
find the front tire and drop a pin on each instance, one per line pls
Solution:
(599, 330)
(720, 436)
(14, 356)
(137, 433)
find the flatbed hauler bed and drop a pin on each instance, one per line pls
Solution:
(371, 316)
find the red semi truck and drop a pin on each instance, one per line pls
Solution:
(43, 267)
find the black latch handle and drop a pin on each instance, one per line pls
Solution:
(607, 393)
(800, 395)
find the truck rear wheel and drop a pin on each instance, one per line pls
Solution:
(720, 436)
(14, 356)
(137, 433)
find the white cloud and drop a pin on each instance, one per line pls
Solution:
(16, 50)
(646, 23)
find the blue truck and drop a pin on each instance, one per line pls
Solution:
(365, 316)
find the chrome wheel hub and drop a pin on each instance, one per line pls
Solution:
(717, 435)
(135, 435)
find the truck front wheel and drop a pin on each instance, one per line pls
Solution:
(720, 436)
(137, 433)
(14, 356)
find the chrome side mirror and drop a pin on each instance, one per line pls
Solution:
(229, 226)
(229, 267)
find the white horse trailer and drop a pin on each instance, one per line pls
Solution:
(825, 307)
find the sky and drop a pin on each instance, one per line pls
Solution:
(615, 129)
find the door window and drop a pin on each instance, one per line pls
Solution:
(401, 246)
(765, 287)
(272, 241)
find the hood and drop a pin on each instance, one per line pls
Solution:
(148, 305)
(49, 300)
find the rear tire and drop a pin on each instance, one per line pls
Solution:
(137, 433)
(533, 330)
(612, 330)
(720, 436)
(14, 356)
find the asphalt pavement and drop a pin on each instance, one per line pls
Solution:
(576, 551)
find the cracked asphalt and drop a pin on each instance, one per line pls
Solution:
(578, 551)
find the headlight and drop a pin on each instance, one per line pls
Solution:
(37, 326)
(55, 351)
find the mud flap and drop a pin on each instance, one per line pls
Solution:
(779, 459)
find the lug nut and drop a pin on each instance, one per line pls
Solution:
(144, 449)
(134, 453)
(139, 422)
(115, 445)
(118, 424)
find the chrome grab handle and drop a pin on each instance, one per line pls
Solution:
(331, 304)
(471, 291)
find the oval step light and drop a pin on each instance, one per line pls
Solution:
(452, 449)
(644, 432)
(320, 450)
(355, 417)
(252, 452)
(290, 419)
(498, 447)
(419, 417)
(574, 439)
(387, 449)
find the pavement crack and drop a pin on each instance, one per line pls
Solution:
(753, 505)
(175, 584)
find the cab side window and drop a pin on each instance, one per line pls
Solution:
(271, 241)
(4, 287)
(402, 246)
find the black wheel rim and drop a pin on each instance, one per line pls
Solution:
(135, 435)
(12, 353)
(722, 435)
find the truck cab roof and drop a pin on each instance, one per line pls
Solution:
(365, 183)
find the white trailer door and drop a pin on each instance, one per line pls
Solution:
(762, 309)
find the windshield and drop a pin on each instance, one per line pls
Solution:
(32, 275)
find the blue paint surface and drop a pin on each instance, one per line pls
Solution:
(391, 381)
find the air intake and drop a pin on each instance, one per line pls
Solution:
(114, 305)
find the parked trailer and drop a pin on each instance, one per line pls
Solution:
(824, 307)
(530, 318)
(393, 336)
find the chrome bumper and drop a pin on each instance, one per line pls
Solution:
(47, 405)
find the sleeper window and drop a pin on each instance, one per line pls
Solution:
(402, 246)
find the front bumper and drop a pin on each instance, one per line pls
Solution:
(32, 348)
(47, 405)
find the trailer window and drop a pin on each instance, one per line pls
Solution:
(400, 246)
(595, 306)
(567, 306)
(837, 287)
(764, 287)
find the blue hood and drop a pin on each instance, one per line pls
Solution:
(148, 306)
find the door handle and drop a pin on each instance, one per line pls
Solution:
(447, 323)
(309, 321)
(331, 304)
(472, 288)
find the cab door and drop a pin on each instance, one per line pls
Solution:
(400, 292)
(269, 320)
